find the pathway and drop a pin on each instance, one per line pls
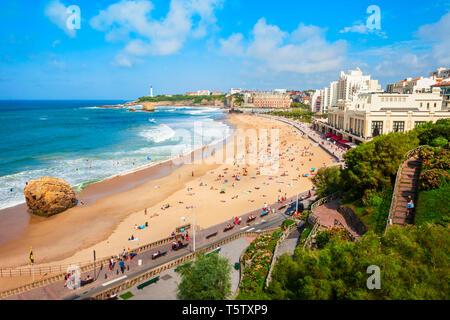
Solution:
(166, 287)
(329, 217)
(408, 183)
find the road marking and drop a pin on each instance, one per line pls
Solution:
(115, 280)
(258, 230)
(245, 227)
(250, 229)
(263, 220)
(257, 223)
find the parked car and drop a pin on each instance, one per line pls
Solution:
(291, 208)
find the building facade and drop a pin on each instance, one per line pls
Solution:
(445, 93)
(443, 73)
(271, 100)
(371, 114)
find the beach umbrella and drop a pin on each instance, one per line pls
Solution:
(313, 168)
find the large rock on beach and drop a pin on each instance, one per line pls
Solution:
(148, 106)
(48, 196)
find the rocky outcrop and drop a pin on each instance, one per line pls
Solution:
(48, 196)
(148, 106)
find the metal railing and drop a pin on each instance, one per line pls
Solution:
(172, 264)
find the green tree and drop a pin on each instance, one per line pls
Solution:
(207, 278)
(374, 164)
(328, 180)
(414, 264)
(429, 131)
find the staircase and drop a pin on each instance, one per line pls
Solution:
(405, 186)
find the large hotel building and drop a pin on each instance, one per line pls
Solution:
(368, 114)
(270, 100)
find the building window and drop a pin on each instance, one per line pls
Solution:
(377, 128)
(421, 104)
(416, 123)
(399, 126)
(428, 106)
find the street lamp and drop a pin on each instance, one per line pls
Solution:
(296, 203)
(193, 222)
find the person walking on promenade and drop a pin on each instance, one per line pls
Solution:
(122, 266)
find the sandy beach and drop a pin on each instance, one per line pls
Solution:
(107, 221)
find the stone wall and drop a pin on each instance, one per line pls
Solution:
(352, 220)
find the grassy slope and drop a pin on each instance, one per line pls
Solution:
(433, 205)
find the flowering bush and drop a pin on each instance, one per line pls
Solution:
(435, 158)
(433, 179)
(257, 260)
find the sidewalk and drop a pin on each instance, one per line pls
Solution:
(105, 277)
(166, 287)
(316, 136)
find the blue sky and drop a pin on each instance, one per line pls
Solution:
(124, 46)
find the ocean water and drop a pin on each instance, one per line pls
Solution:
(80, 143)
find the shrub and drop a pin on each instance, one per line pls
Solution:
(439, 142)
(286, 223)
(433, 179)
(435, 158)
(322, 238)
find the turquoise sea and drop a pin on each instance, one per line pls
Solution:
(80, 143)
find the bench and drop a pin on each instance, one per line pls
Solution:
(149, 282)
(159, 255)
(250, 220)
(211, 235)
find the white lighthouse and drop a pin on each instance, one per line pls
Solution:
(151, 91)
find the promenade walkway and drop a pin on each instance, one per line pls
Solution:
(166, 287)
(316, 136)
(106, 277)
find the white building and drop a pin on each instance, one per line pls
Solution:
(370, 114)
(345, 88)
(233, 91)
(443, 73)
(316, 101)
(353, 82)
(410, 85)
(203, 92)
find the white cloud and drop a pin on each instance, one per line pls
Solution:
(305, 50)
(232, 46)
(57, 13)
(438, 33)
(360, 27)
(132, 19)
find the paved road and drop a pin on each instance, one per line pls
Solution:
(166, 287)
